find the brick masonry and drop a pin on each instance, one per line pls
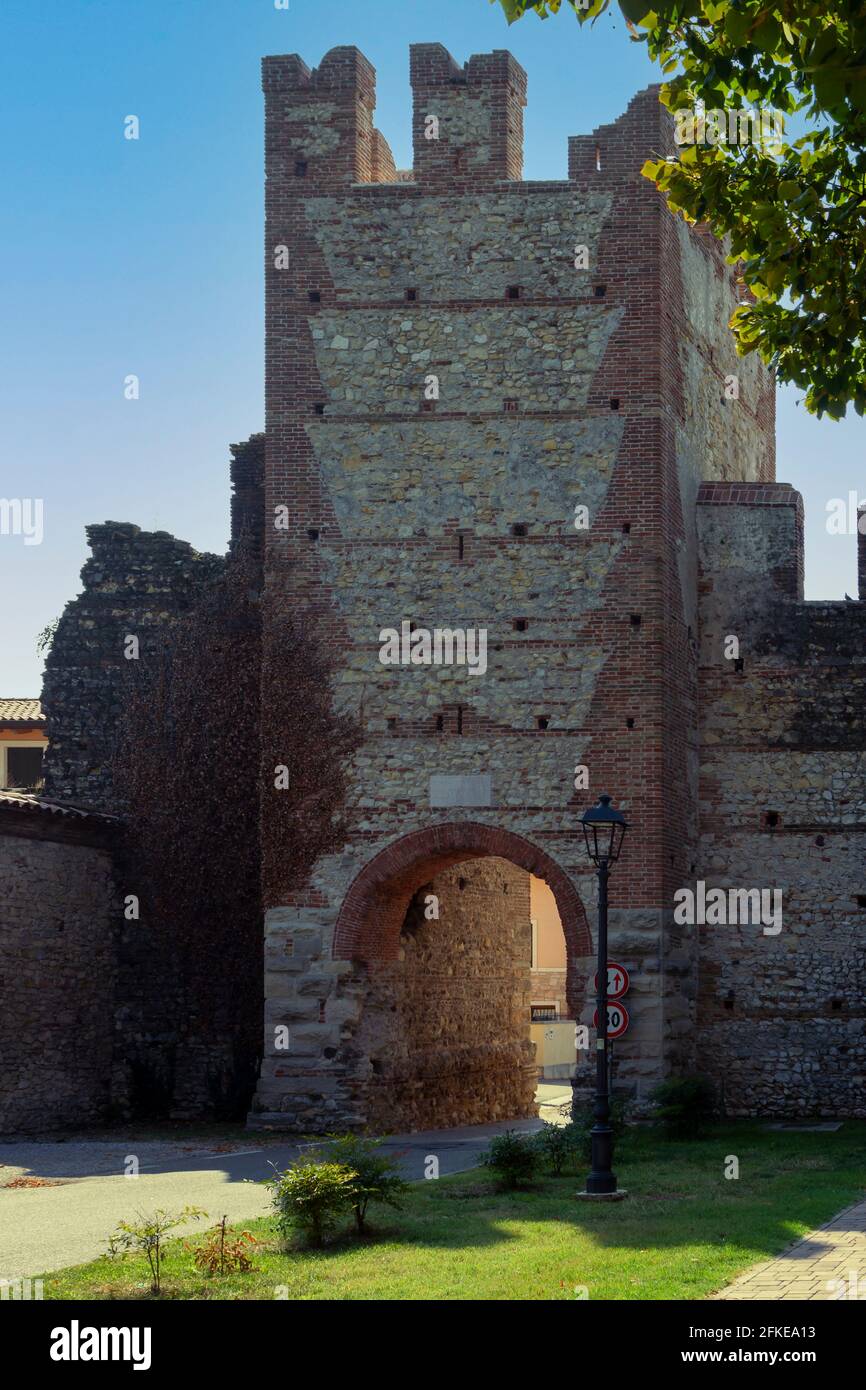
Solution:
(452, 503)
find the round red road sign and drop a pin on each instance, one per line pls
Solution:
(617, 1020)
(617, 980)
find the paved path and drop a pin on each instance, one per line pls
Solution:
(47, 1228)
(828, 1263)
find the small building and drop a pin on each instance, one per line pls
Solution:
(22, 744)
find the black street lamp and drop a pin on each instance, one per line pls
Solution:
(604, 829)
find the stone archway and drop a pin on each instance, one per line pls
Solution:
(443, 1034)
(374, 908)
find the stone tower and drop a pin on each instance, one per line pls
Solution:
(491, 404)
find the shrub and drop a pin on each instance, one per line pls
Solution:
(377, 1175)
(148, 1234)
(310, 1196)
(558, 1144)
(216, 1255)
(685, 1104)
(513, 1158)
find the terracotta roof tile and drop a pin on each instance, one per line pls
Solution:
(24, 711)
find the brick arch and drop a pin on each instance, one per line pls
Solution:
(374, 909)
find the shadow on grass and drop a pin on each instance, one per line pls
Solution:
(678, 1195)
(684, 1229)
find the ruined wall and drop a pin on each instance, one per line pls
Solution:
(167, 1058)
(445, 1030)
(136, 583)
(782, 1015)
(247, 474)
(57, 967)
(556, 388)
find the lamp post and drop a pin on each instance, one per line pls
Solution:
(604, 829)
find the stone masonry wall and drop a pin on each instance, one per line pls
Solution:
(445, 1029)
(782, 1016)
(247, 501)
(555, 388)
(140, 584)
(136, 583)
(57, 970)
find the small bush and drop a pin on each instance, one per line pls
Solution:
(558, 1144)
(377, 1175)
(311, 1196)
(148, 1235)
(216, 1255)
(513, 1158)
(685, 1105)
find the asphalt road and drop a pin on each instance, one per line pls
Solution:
(48, 1228)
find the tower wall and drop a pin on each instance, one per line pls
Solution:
(447, 387)
(781, 1017)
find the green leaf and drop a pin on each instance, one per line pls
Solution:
(636, 10)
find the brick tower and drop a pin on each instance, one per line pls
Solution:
(490, 407)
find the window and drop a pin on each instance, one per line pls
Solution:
(22, 765)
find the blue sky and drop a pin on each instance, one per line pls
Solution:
(144, 257)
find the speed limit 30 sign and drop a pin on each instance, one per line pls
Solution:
(617, 1020)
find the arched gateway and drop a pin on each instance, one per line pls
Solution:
(407, 1006)
(374, 909)
(439, 922)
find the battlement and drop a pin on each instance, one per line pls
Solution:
(319, 122)
(342, 70)
(467, 121)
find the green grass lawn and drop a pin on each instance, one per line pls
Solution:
(684, 1231)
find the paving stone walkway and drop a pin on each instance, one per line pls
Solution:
(829, 1263)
